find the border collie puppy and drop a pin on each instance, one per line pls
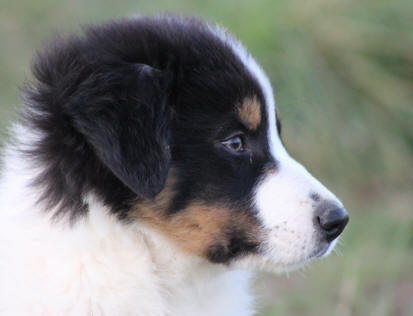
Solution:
(146, 176)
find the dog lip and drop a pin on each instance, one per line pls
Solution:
(321, 251)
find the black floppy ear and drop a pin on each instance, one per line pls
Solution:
(124, 116)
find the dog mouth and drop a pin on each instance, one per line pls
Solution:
(319, 253)
(271, 259)
(323, 250)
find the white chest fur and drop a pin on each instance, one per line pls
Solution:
(100, 266)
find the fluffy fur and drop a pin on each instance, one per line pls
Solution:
(146, 176)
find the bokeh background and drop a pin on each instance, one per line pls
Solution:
(343, 77)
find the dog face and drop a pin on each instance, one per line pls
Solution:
(171, 123)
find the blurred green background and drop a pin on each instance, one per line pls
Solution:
(343, 76)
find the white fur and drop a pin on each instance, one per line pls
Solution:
(99, 266)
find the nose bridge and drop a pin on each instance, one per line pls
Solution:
(299, 175)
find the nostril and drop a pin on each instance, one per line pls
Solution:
(331, 219)
(318, 218)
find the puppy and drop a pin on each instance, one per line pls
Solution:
(146, 176)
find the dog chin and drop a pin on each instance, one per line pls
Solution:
(273, 264)
(263, 264)
(329, 248)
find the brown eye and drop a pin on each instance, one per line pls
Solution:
(235, 144)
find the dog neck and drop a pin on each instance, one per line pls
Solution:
(185, 284)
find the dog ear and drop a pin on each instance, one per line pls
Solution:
(127, 123)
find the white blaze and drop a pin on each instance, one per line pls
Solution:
(283, 197)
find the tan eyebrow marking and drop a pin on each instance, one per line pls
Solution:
(250, 112)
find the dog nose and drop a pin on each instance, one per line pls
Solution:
(332, 219)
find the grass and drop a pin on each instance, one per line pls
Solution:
(343, 76)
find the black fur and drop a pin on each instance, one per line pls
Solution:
(126, 100)
(237, 242)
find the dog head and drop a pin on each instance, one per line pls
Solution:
(172, 123)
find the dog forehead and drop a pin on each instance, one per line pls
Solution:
(220, 107)
(259, 76)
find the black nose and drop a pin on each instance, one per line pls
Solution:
(332, 219)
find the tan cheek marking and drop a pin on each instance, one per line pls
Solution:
(198, 226)
(250, 113)
(193, 229)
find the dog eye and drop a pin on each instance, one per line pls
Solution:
(235, 144)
